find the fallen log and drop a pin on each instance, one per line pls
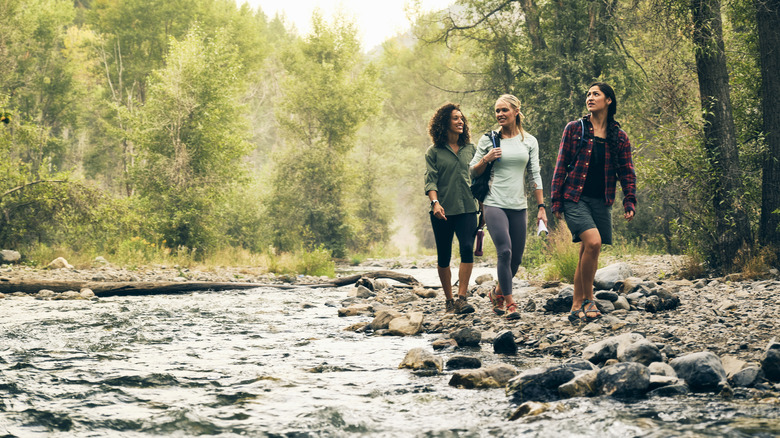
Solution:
(123, 288)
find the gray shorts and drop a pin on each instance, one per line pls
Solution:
(586, 214)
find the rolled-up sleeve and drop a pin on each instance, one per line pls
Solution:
(431, 172)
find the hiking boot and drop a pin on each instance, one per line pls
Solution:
(462, 307)
(449, 306)
(511, 312)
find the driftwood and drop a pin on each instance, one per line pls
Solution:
(105, 288)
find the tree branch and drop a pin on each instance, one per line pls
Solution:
(16, 189)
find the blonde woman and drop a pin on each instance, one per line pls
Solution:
(506, 204)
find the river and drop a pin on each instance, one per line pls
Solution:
(277, 363)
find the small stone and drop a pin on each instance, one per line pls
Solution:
(463, 362)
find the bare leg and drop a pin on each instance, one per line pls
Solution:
(588, 263)
(445, 275)
(464, 274)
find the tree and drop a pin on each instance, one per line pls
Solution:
(720, 140)
(768, 19)
(192, 139)
(328, 94)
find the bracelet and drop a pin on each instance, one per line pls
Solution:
(541, 206)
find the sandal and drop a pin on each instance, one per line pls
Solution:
(575, 318)
(589, 306)
(512, 313)
(497, 300)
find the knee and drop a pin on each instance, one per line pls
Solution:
(592, 246)
(504, 254)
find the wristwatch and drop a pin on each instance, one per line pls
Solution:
(541, 206)
(434, 202)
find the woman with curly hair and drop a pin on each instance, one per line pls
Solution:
(453, 207)
(593, 155)
(506, 204)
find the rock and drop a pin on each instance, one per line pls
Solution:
(770, 361)
(562, 302)
(495, 376)
(606, 349)
(505, 343)
(745, 377)
(484, 278)
(441, 344)
(538, 384)
(626, 379)
(641, 351)
(87, 293)
(357, 327)
(9, 256)
(363, 292)
(530, 306)
(420, 359)
(355, 309)
(467, 337)
(605, 306)
(424, 293)
(45, 293)
(622, 303)
(383, 318)
(59, 263)
(670, 391)
(366, 283)
(463, 362)
(579, 364)
(661, 369)
(70, 295)
(657, 381)
(100, 261)
(607, 295)
(407, 325)
(702, 371)
(530, 409)
(732, 365)
(630, 284)
(606, 277)
(582, 385)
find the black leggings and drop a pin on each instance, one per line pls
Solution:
(507, 229)
(462, 225)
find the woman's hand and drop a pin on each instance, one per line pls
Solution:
(493, 155)
(558, 215)
(542, 216)
(629, 215)
(438, 211)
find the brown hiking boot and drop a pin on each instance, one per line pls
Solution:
(462, 307)
(449, 306)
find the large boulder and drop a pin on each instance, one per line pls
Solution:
(625, 379)
(582, 385)
(607, 277)
(59, 263)
(606, 349)
(406, 325)
(382, 319)
(9, 256)
(641, 351)
(702, 371)
(467, 337)
(505, 343)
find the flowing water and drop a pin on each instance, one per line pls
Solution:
(277, 363)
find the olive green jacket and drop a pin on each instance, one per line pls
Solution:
(448, 174)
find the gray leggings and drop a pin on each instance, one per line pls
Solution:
(508, 231)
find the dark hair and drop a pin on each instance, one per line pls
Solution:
(613, 126)
(440, 124)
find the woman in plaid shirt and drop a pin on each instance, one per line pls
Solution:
(583, 188)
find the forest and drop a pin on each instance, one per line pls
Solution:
(143, 129)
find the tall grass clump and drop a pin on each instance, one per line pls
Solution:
(563, 255)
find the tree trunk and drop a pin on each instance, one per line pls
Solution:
(768, 20)
(720, 139)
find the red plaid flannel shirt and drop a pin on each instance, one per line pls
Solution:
(571, 188)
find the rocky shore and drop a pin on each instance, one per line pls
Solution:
(659, 335)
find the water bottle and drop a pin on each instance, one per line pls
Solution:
(478, 243)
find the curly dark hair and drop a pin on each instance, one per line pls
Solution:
(440, 124)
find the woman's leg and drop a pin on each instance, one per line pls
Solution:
(465, 230)
(498, 226)
(588, 263)
(518, 226)
(442, 234)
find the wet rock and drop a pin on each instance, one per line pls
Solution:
(420, 359)
(625, 379)
(407, 325)
(463, 362)
(383, 318)
(538, 384)
(582, 385)
(504, 343)
(495, 376)
(562, 302)
(467, 337)
(59, 263)
(640, 351)
(702, 371)
(770, 361)
(579, 364)
(355, 309)
(441, 344)
(9, 256)
(670, 390)
(657, 381)
(607, 276)
(531, 409)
